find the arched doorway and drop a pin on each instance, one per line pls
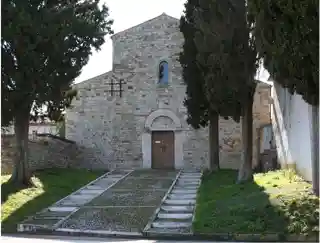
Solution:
(162, 141)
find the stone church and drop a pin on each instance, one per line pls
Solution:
(133, 116)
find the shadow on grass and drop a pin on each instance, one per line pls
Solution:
(226, 207)
(7, 189)
(52, 185)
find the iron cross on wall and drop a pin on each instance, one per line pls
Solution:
(114, 85)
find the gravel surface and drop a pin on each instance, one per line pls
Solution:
(128, 198)
(144, 188)
(131, 219)
(118, 172)
(153, 173)
(143, 184)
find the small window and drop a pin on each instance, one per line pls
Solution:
(163, 72)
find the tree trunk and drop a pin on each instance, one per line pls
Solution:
(315, 149)
(214, 142)
(21, 174)
(245, 172)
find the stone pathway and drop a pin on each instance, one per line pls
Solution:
(124, 209)
(54, 215)
(139, 203)
(175, 215)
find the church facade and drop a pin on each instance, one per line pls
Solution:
(134, 117)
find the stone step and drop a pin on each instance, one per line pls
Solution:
(182, 191)
(163, 215)
(70, 204)
(92, 191)
(108, 179)
(53, 213)
(33, 224)
(76, 198)
(92, 187)
(182, 196)
(103, 184)
(186, 171)
(47, 217)
(170, 231)
(74, 202)
(184, 187)
(189, 179)
(190, 176)
(188, 183)
(170, 224)
(177, 208)
(180, 202)
(81, 196)
(114, 178)
(62, 209)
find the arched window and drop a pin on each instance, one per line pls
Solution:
(163, 72)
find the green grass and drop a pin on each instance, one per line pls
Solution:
(51, 185)
(276, 202)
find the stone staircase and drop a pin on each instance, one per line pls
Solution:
(175, 214)
(54, 215)
(89, 192)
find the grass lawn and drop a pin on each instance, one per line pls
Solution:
(51, 185)
(276, 202)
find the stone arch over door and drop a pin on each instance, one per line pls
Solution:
(162, 120)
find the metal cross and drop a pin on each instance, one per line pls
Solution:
(113, 84)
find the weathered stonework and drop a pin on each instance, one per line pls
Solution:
(47, 152)
(118, 129)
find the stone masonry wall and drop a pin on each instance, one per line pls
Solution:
(111, 127)
(230, 131)
(45, 152)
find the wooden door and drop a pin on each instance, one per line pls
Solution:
(163, 150)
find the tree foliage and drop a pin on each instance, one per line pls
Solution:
(226, 53)
(221, 64)
(287, 37)
(196, 101)
(45, 44)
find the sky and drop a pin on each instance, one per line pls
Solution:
(128, 13)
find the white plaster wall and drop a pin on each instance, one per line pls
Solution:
(292, 125)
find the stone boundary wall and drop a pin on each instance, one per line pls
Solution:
(46, 151)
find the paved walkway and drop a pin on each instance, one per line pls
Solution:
(55, 239)
(135, 203)
(120, 202)
(125, 208)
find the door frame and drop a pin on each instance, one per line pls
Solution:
(172, 144)
(179, 137)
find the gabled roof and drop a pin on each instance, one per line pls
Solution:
(145, 22)
(89, 81)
